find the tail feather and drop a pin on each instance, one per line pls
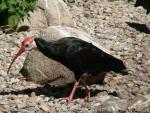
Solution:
(119, 67)
(124, 72)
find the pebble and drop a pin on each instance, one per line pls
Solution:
(44, 107)
(33, 94)
(1, 32)
(64, 107)
(21, 105)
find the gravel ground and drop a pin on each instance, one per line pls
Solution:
(120, 27)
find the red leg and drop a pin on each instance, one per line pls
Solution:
(69, 98)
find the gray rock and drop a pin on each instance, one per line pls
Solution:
(1, 32)
(140, 104)
(49, 12)
(3, 73)
(113, 105)
(44, 107)
(31, 109)
(21, 105)
(64, 108)
(39, 111)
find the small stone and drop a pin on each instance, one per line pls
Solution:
(64, 107)
(140, 103)
(3, 73)
(21, 105)
(31, 109)
(39, 111)
(31, 104)
(50, 103)
(51, 98)
(1, 32)
(97, 104)
(71, 1)
(46, 99)
(113, 105)
(20, 96)
(45, 107)
(37, 99)
(57, 100)
(33, 94)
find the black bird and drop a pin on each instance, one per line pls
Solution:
(144, 3)
(81, 57)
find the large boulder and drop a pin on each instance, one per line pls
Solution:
(48, 13)
(41, 69)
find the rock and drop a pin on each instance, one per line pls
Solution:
(57, 13)
(140, 104)
(33, 94)
(49, 12)
(33, 23)
(41, 69)
(39, 111)
(71, 1)
(28, 110)
(64, 108)
(1, 32)
(3, 109)
(44, 107)
(3, 73)
(112, 105)
(21, 105)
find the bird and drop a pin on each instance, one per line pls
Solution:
(81, 57)
(144, 3)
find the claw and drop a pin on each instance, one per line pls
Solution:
(86, 98)
(88, 94)
(68, 99)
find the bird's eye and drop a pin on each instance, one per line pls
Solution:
(27, 45)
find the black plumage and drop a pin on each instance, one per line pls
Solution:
(79, 56)
(144, 3)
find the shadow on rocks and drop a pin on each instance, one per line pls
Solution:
(139, 27)
(53, 91)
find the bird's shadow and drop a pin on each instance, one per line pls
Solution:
(52, 91)
(139, 27)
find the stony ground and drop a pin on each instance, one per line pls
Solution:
(121, 28)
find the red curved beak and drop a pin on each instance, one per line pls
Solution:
(13, 60)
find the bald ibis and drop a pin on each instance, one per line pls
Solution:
(81, 57)
(144, 3)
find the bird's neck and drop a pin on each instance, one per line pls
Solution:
(47, 48)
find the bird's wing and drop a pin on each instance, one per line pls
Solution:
(87, 58)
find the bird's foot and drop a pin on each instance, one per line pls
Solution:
(68, 99)
(86, 98)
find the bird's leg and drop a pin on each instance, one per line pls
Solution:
(88, 94)
(69, 98)
(87, 89)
